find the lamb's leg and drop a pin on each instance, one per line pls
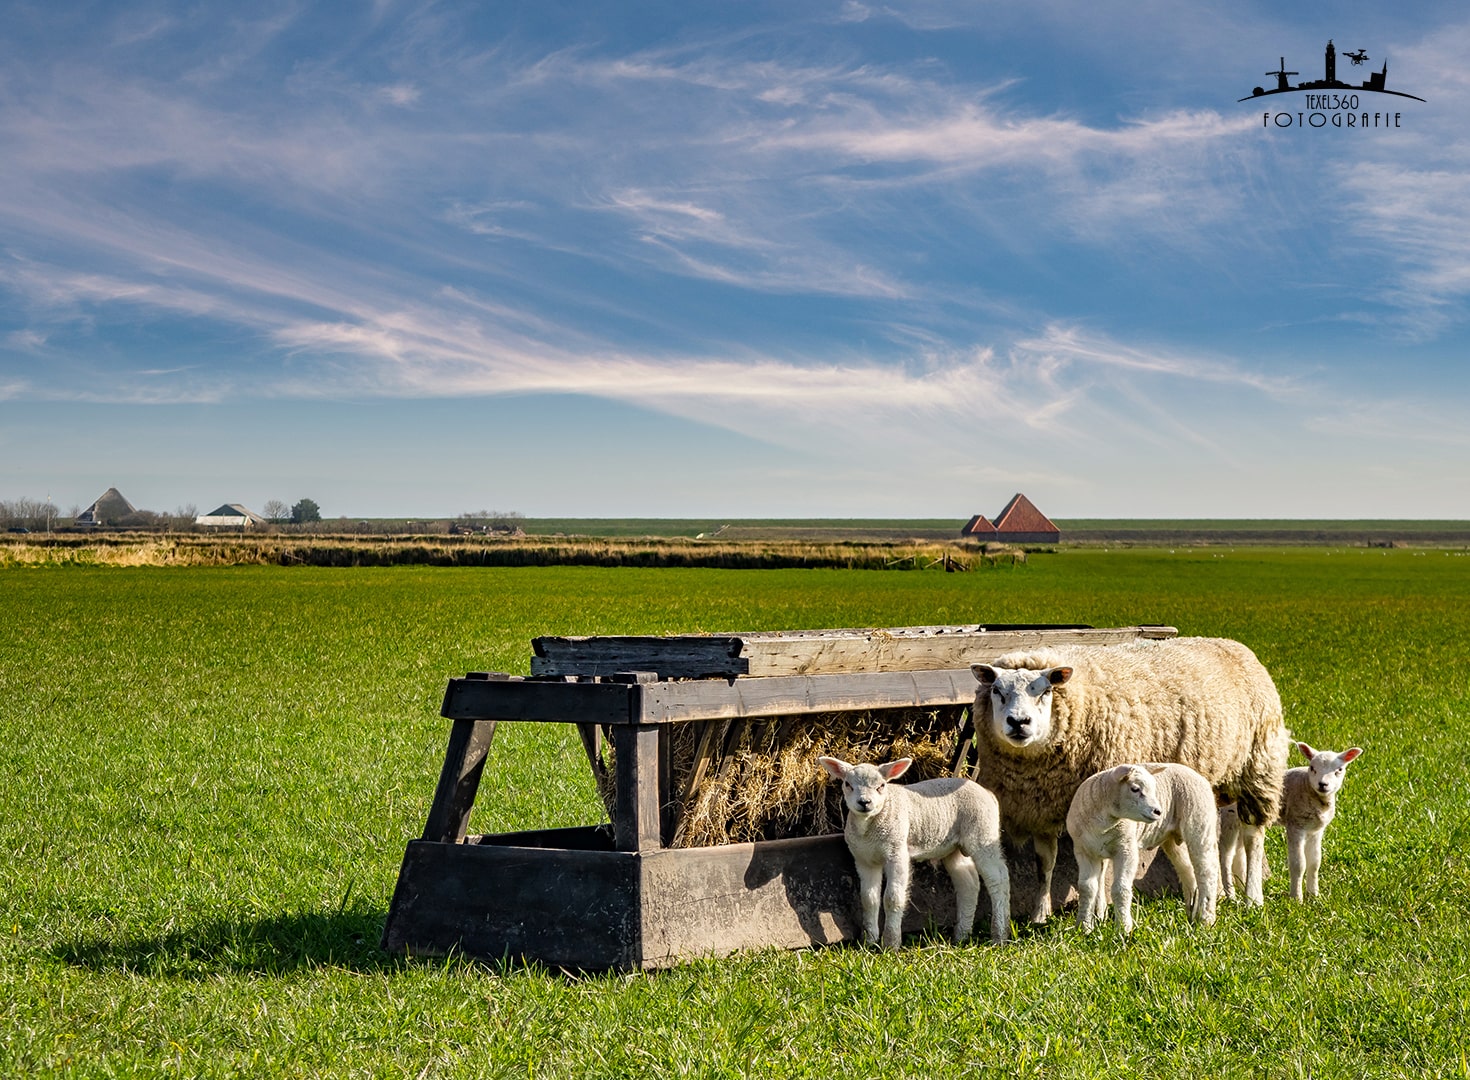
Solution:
(1046, 862)
(1125, 869)
(991, 866)
(1314, 860)
(1090, 874)
(870, 892)
(966, 878)
(895, 900)
(1206, 856)
(1178, 857)
(1296, 858)
(1254, 839)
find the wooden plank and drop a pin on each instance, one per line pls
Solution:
(711, 699)
(567, 908)
(512, 698)
(689, 656)
(636, 818)
(811, 652)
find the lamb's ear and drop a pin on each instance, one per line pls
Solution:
(836, 766)
(1058, 675)
(894, 769)
(1306, 750)
(1119, 773)
(1350, 753)
(984, 672)
(1157, 769)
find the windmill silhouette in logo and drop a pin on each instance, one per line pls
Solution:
(1281, 73)
(1375, 83)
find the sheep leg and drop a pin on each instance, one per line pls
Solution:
(895, 900)
(1046, 862)
(1296, 858)
(1314, 861)
(1254, 839)
(1090, 885)
(966, 878)
(870, 891)
(991, 866)
(1125, 869)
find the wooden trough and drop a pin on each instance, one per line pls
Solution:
(622, 895)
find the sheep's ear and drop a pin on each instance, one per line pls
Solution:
(1157, 769)
(1120, 773)
(1058, 675)
(836, 766)
(1350, 753)
(894, 769)
(1306, 750)
(984, 672)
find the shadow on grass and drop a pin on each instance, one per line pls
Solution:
(270, 946)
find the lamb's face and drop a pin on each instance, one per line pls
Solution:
(1020, 702)
(864, 790)
(1326, 770)
(1137, 795)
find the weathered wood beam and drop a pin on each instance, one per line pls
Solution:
(812, 652)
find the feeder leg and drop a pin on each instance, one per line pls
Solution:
(449, 816)
(636, 824)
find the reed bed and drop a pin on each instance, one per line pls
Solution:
(357, 551)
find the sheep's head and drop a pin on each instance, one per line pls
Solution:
(865, 787)
(1326, 770)
(1136, 796)
(1020, 701)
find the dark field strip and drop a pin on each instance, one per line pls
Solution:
(210, 774)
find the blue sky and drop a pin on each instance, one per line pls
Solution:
(832, 259)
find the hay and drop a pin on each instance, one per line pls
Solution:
(757, 778)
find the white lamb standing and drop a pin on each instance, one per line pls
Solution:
(1121, 812)
(1047, 719)
(950, 819)
(1308, 804)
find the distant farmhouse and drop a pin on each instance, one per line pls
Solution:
(230, 516)
(1019, 523)
(109, 509)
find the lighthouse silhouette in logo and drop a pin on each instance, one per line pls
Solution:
(1375, 83)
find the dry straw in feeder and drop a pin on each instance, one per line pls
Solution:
(757, 778)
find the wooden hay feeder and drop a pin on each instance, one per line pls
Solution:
(633, 893)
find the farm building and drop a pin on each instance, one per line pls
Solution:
(1019, 523)
(230, 516)
(109, 509)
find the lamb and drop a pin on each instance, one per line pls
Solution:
(950, 819)
(1119, 812)
(1308, 804)
(1045, 720)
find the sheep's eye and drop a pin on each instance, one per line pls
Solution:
(1134, 788)
(882, 786)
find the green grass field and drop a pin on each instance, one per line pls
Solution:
(210, 774)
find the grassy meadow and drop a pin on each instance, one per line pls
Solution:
(209, 775)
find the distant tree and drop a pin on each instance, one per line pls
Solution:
(275, 511)
(304, 511)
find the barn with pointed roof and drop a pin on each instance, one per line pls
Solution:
(1019, 523)
(230, 516)
(109, 509)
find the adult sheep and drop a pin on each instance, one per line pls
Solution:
(1047, 719)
